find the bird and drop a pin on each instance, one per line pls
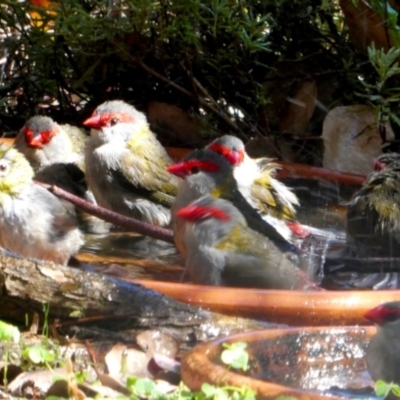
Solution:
(373, 215)
(256, 178)
(56, 154)
(386, 160)
(221, 250)
(43, 142)
(126, 164)
(372, 230)
(256, 181)
(383, 351)
(205, 172)
(33, 222)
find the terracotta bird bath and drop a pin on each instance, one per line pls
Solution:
(298, 362)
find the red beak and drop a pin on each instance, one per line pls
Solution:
(33, 140)
(36, 143)
(235, 157)
(94, 122)
(178, 170)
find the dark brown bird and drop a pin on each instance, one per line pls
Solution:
(373, 217)
(383, 352)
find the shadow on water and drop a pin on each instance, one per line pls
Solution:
(132, 256)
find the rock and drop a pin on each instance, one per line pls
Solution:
(352, 139)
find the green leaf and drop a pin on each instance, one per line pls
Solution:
(235, 355)
(396, 390)
(395, 118)
(247, 393)
(38, 354)
(221, 394)
(382, 389)
(208, 389)
(9, 333)
(144, 387)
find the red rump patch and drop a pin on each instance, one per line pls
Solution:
(196, 212)
(298, 229)
(383, 313)
(189, 167)
(379, 166)
(234, 157)
(98, 121)
(37, 141)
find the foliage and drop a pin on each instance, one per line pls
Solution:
(227, 61)
(235, 355)
(47, 354)
(218, 52)
(9, 333)
(382, 389)
(381, 94)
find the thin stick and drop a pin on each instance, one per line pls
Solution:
(142, 228)
(201, 101)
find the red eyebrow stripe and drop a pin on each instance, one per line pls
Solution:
(97, 121)
(185, 168)
(197, 212)
(122, 117)
(203, 165)
(46, 136)
(37, 141)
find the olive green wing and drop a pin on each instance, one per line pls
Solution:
(373, 215)
(145, 173)
(253, 218)
(379, 200)
(272, 199)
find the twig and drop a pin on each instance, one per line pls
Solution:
(202, 89)
(187, 93)
(202, 102)
(268, 142)
(142, 228)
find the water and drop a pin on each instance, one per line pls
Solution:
(132, 256)
(331, 361)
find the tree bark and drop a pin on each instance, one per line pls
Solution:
(97, 306)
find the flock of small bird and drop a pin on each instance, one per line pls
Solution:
(233, 221)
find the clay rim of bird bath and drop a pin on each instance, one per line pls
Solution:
(201, 364)
(288, 169)
(295, 308)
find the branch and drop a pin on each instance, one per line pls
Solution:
(202, 102)
(100, 306)
(142, 228)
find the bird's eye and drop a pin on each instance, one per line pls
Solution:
(195, 170)
(3, 167)
(113, 121)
